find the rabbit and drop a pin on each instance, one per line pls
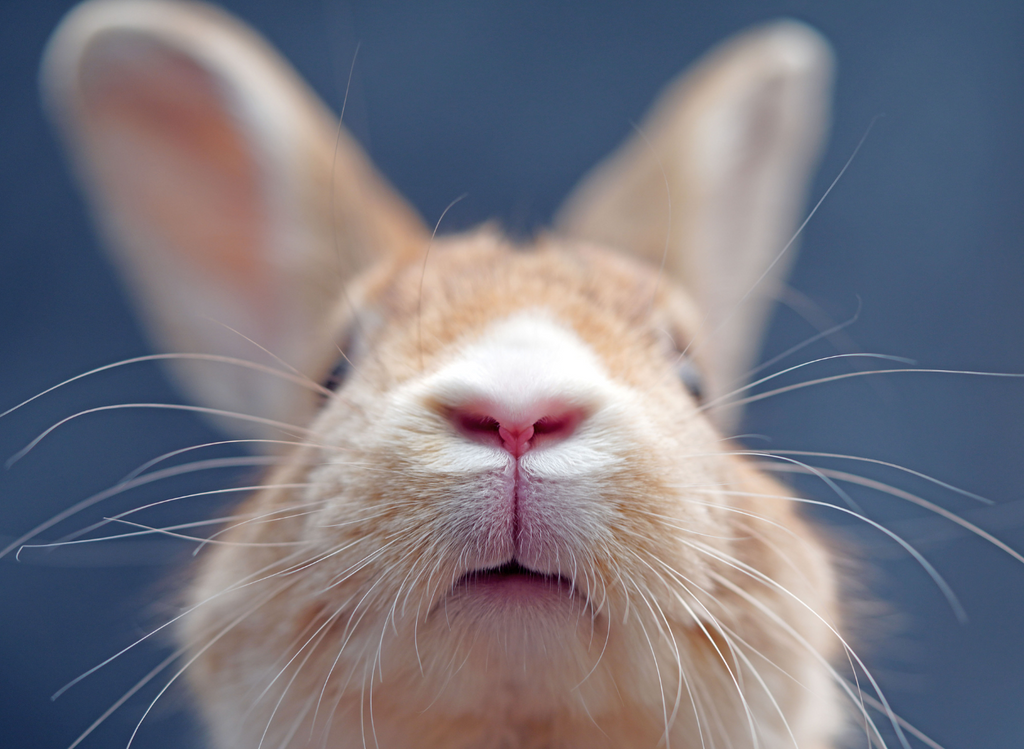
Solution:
(505, 512)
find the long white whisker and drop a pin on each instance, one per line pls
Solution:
(907, 726)
(126, 696)
(209, 493)
(920, 502)
(940, 582)
(120, 488)
(308, 381)
(707, 634)
(725, 397)
(158, 406)
(191, 448)
(848, 375)
(143, 533)
(252, 579)
(423, 273)
(796, 234)
(661, 681)
(299, 380)
(685, 583)
(318, 635)
(756, 574)
(145, 680)
(192, 660)
(804, 344)
(200, 540)
(911, 471)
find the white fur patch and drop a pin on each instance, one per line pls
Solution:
(525, 359)
(520, 366)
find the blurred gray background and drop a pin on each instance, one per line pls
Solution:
(511, 103)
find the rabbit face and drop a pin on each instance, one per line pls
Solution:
(536, 343)
(497, 584)
(513, 522)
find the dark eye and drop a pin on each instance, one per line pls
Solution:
(691, 377)
(339, 374)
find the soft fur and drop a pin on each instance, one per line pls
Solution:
(686, 602)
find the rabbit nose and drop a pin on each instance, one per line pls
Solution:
(514, 434)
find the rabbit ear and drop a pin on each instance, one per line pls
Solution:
(209, 167)
(716, 181)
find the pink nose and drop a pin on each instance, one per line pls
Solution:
(516, 435)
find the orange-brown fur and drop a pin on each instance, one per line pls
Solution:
(688, 603)
(467, 283)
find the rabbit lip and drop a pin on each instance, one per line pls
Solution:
(508, 569)
(514, 575)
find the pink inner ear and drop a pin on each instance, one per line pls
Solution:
(175, 159)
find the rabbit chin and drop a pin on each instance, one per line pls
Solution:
(517, 615)
(532, 642)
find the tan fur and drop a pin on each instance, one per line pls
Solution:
(471, 687)
(689, 604)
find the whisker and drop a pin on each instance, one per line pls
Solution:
(321, 632)
(297, 379)
(193, 495)
(352, 569)
(848, 375)
(245, 582)
(310, 382)
(265, 517)
(184, 537)
(696, 619)
(130, 534)
(730, 639)
(920, 502)
(912, 472)
(907, 726)
(796, 234)
(754, 573)
(714, 402)
(342, 284)
(126, 696)
(847, 499)
(132, 483)
(661, 681)
(192, 660)
(118, 489)
(145, 680)
(160, 406)
(940, 582)
(181, 451)
(350, 630)
(291, 508)
(804, 344)
(423, 274)
(682, 672)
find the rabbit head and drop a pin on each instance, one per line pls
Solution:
(506, 513)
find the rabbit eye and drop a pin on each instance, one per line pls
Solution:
(339, 374)
(691, 377)
(346, 348)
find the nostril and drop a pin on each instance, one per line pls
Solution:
(477, 427)
(516, 434)
(557, 426)
(476, 424)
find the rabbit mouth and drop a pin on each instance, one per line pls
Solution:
(514, 580)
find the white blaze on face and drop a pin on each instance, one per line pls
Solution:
(522, 370)
(520, 365)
